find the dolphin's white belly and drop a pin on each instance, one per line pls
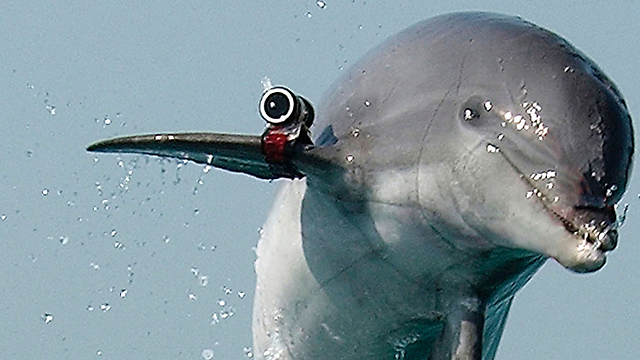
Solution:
(365, 310)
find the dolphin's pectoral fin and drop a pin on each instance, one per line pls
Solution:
(238, 153)
(233, 152)
(496, 319)
(461, 337)
(284, 150)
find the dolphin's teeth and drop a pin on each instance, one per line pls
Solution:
(597, 245)
(602, 237)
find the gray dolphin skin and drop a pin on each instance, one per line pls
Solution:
(449, 164)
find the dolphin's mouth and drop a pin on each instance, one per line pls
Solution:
(594, 227)
(601, 236)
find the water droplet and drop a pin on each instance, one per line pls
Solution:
(266, 83)
(64, 240)
(45, 191)
(165, 239)
(105, 307)
(241, 294)
(106, 121)
(226, 313)
(468, 114)
(203, 280)
(221, 302)
(118, 245)
(99, 352)
(349, 158)
(520, 122)
(95, 266)
(89, 307)
(47, 318)
(321, 4)
(309, 14)
(207, 354)
(623, 215)
(113, 232)
(492, 148)
(123, 293)
(247, 351)
(488, 105)
(51, 109)
(192, 296)
(195, 271)
(3, 217)
(367, 103)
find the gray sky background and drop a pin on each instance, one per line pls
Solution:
(132, 256)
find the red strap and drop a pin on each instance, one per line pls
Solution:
(273, 145)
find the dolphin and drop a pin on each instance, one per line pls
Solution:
(449, 164)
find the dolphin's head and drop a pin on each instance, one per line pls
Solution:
(493, 127)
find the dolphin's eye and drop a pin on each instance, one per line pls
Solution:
(473, 110)
(277, 105)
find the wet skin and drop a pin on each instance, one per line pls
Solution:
(448, 165)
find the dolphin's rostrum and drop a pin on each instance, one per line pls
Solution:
(451, 162)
